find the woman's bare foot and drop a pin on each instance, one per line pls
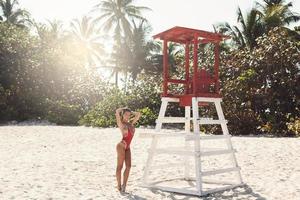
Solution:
(119, 188)
(123, 187)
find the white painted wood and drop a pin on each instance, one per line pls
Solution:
(181, 148)
(170, 99)
(180, 151)
(217, 182)
(173, 120)
(161, 134)
(209, 121)
(187, 136)
(221, 189)
(197, 145)
(213, 181)
(187, 115)
(228, 141)
(205, 137)
(161, 114)
(149, 161)
(173, 152)
(158, 126)
(218, 152)
(220, 171)
(192, 192)
(176, 190)
(208, 99)
(187, 151)
(187, 128)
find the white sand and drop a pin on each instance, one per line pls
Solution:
(54, 162)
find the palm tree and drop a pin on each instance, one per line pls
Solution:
(273, 13)
(116, 16)
(297, 29)
(277, 13)
(140, 49)
(142, 54)
(87, 35)
(50, 32)
(13, 15)
(250, 28)
(175, 58)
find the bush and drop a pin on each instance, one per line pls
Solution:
(62, 113)
(148, 117)
(261, 86)
(103, 114)
(43, 77)
(142, 95)
(294, 126)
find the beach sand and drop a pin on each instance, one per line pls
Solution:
(59, 162)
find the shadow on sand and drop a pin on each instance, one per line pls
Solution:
(132, 196)
(245, 192)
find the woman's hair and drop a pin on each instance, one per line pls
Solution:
(124, 111)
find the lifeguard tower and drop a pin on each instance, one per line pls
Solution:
(201, 88)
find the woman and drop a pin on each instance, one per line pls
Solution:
(123, 147)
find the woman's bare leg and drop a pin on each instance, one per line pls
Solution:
(128, 166)
(120, 161)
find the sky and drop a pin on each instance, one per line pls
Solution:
(165, 14)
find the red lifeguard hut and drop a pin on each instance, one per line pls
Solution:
(200, 87)
(201, 83)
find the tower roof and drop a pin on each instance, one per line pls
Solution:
(182, 35)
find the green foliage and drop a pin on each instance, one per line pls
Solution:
(143, 95)
(13, 15)
(260, 87)
(35, 71)
(148, 117)
(20, 90)
(258, 21)
(51, 75)
(103, 114)
(63, 113)
(294, 126)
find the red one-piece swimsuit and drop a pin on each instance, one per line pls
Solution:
(127, 138)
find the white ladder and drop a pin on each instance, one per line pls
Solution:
(196, 153)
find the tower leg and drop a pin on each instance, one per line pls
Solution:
(228, 140)
(197, 145)
(162, 111)
(149, 161)
(158, 126)
(196, 153)
(187, 130)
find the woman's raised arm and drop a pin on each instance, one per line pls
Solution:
(118, 118)
(137, 116)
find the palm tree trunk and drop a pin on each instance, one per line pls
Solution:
(116, 77)
(125, 85)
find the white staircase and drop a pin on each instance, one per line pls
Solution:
(194, 151)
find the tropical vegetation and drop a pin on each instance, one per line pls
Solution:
(50, 71)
